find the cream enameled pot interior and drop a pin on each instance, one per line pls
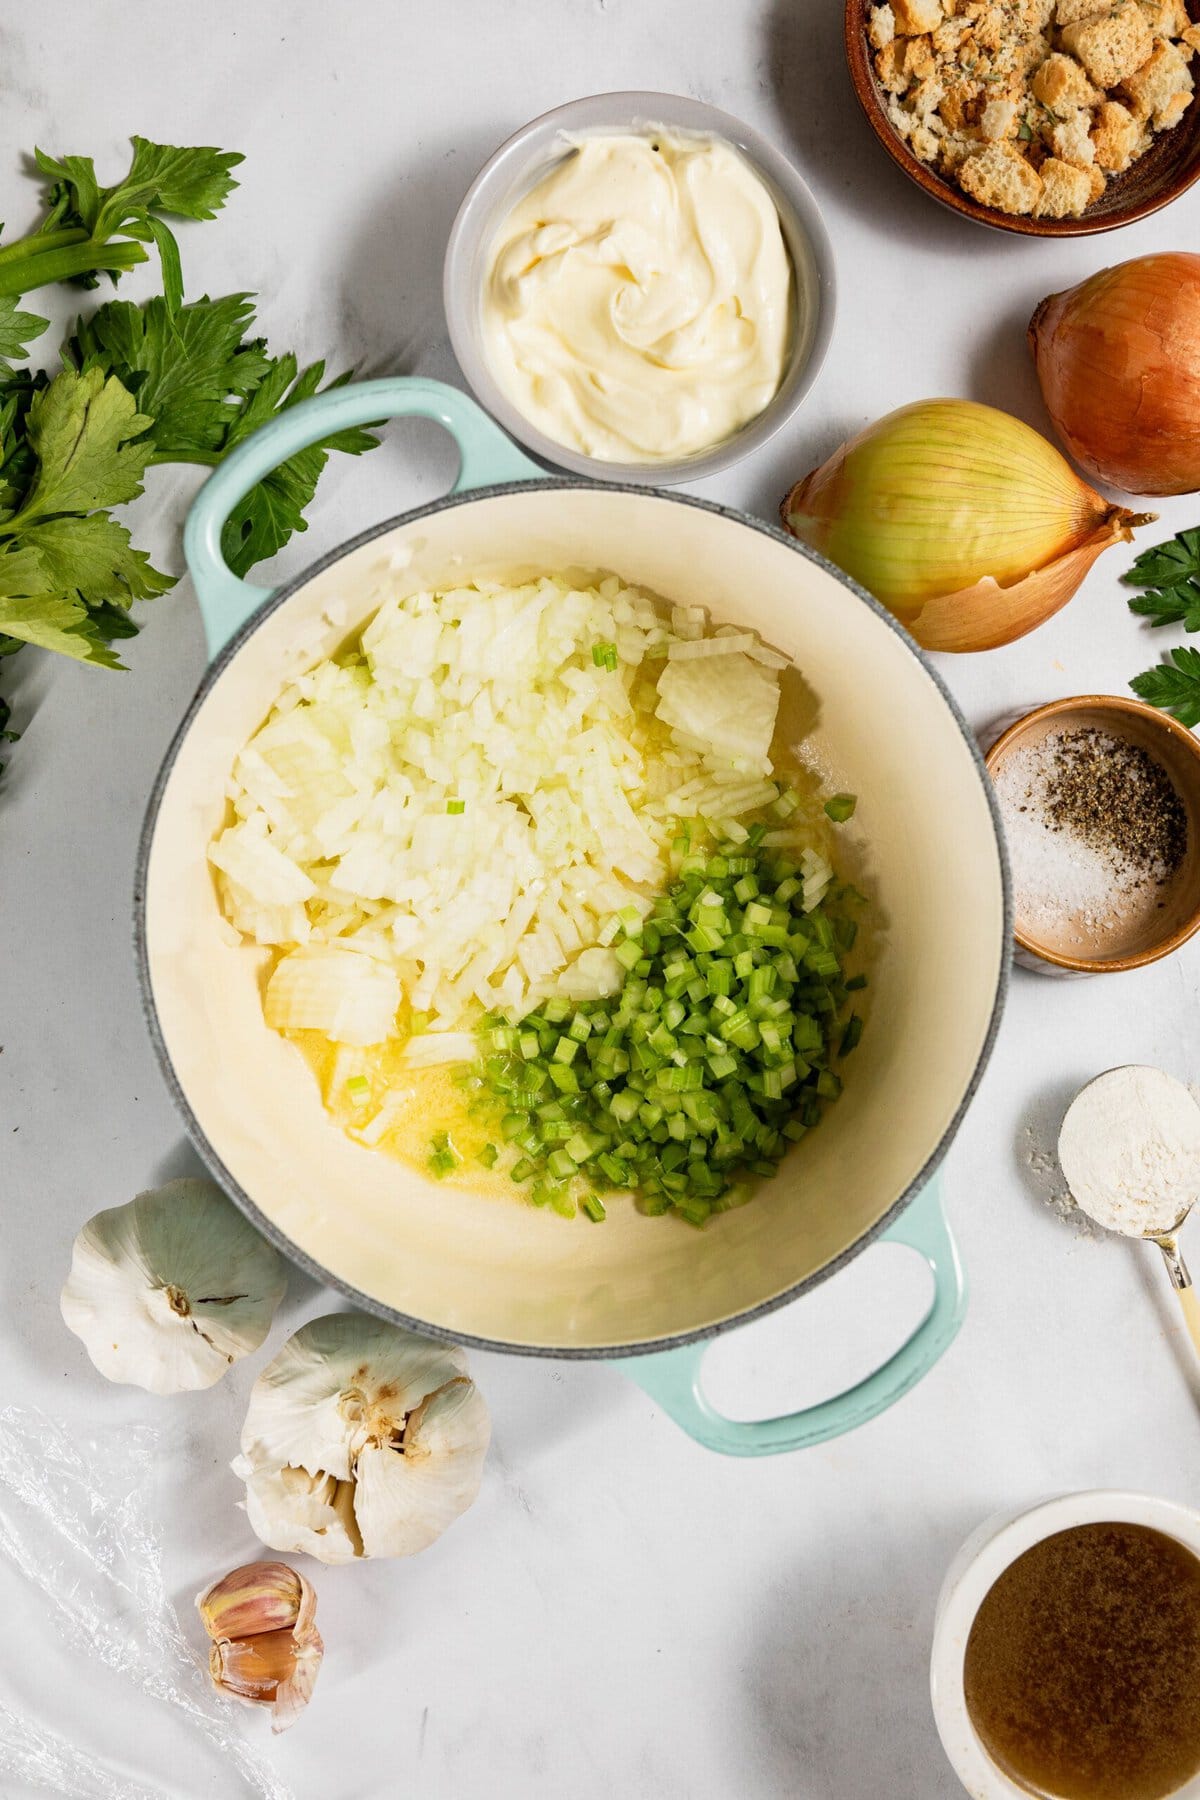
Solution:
(923, 840)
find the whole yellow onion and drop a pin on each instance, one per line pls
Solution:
(1118, 358)
(962, 520)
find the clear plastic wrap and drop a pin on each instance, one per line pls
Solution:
(101, 1697)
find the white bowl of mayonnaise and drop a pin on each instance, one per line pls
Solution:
(639, 287)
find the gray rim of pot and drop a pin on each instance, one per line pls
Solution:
(195, 1130)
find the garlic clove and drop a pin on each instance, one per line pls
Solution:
(169, 1290)
(260, 1597)
(407, 1493)
(253, 1668)
(361, 1439)
(266, 1647)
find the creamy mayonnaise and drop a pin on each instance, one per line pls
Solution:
(638, 305)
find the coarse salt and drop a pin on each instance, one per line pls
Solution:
(1065, 882)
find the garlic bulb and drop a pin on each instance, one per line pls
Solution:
(361, 1440)
(266, 1649)
(169, 1290)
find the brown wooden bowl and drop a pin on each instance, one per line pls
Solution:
(1177, 750)
(1167, 169)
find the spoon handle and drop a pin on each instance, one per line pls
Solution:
(1181, 1281)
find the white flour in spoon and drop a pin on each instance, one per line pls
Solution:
(1130, 1150)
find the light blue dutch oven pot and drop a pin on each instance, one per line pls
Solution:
(925, 841)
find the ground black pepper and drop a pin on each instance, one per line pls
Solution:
(1119, 799)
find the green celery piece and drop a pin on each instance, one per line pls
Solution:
(80, 428)
(57, 622)
(22, 573)
(263, 522)
(188, 369)
(18, 464)
(169, 264)
(208, 386)
(17, 331)
(89, 230)
(840, 807)
(75, 196)
(1174, 686)
(93, 555)
(188, 182)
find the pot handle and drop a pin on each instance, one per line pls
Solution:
(486, 455)
(672, 1377)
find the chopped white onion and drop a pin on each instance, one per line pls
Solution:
(451, 810)
(349, 997)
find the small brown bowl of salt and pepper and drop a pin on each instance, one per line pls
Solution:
(1100, 799)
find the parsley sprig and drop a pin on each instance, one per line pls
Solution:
(165, 381)
(1171, 575)
(1174, 685)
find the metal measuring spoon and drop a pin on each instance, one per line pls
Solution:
(1130, 1150)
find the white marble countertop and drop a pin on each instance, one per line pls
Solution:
(621, 1613)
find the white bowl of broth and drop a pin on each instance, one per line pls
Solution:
(1066, 1653)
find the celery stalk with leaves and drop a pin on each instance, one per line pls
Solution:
(139, 384)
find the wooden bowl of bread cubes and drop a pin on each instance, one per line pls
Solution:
(1054, 118)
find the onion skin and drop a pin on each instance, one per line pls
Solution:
(962, 520)
(1118, 358)
(987, 615)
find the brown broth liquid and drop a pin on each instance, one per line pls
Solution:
(1082, 1670)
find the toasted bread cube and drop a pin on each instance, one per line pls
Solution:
(961, 104)
(957, 146)
(914, 17)
(1159, 87)
(1111, 47)
(1070, 12)
(1070, 140)
(1191, 38)
(889, 67)
(1173, 111)
(1066, 190)
(998, 120)
(925, 98)
(1035, 15)
(1166, 18)
(919, 60)
(925, 143)
(1061, 83)
(948, 35)
(1099, 181)
(881, 28)
(1115, 136)
(1001, 178)
(901, 121)
(991, 28)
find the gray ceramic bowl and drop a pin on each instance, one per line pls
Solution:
(524, 159)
